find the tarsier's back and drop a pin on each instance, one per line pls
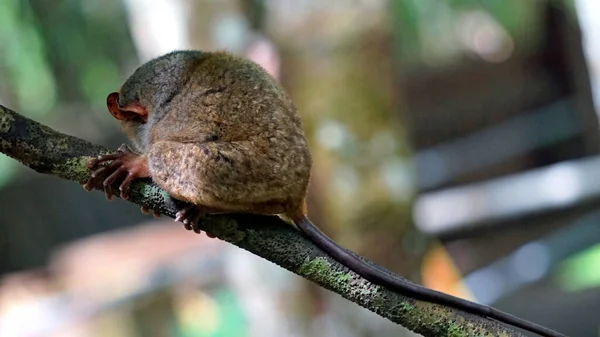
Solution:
(245, 104)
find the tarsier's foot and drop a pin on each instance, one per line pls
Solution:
(191, 216)
(124, 163)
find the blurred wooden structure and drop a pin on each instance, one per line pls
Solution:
(479, 120)
(507, 155)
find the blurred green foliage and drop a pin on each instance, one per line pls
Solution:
(58, 54)
(575, 273)
(23, 58)
(425, 29)
(23, 67)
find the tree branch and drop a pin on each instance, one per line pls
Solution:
(49, 152)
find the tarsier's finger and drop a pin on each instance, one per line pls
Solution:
(88, 186)
(90, 183)
(108, 192)
(98, 173)
(106, 169)
(92, 163)
(124, 188)
(114, 176)
(190, 217)
(194, 225)
(194, 219)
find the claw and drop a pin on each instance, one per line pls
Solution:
(108, 192)
(145, 210)
(124, 188)
(124, 149)
(87, 186)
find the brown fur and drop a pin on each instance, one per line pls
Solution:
(220, 133)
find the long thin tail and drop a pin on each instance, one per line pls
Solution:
(385, 278)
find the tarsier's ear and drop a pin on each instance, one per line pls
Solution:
(127, 112)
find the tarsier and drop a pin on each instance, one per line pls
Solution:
(216, 131)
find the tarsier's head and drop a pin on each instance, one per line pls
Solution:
(151, 87)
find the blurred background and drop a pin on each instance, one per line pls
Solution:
(455, 142)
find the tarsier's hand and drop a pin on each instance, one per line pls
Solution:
(130, 165)
(125, 163)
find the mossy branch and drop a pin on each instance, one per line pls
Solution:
(49, 152)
